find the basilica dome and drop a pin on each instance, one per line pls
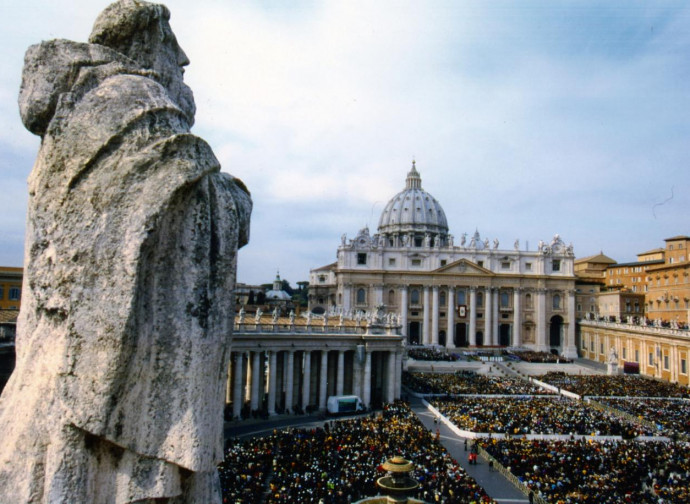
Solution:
(413, 211)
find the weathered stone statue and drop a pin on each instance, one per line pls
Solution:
(132, 237)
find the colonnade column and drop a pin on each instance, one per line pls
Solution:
(272, 370)
(289, 382)
(434, 315)
(570, 350)
(366, 386)
(473, 317)
(255, 379)
(425, 322)
(403, 310)
(237, 399)
(340, 383)
(517, 318)
(542, 344)
(450, 331)
(306, 379)
(488, 311)
(390, 386)
(323, 383)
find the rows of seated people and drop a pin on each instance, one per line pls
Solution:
(341, 462)
(431, 354)
(465, 382)
(672, 415)
(613, 385)
(577, 471)
(540, 357)
(517, 416)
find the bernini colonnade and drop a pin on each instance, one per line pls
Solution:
(283, 364)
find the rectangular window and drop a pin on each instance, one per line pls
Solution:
(601, 348)
(14, 293)
(505, 265)
(591, 346)
(556, 265)
(391, 261)
(528, 266)
(480, 264)
(651, 359)
(584, 344)
(461, 298)
(637, 356)
(443, 262)
(361, 258)
(416, 262)
(625, 353)
(683, 367)
(2, 292)
(666, 362)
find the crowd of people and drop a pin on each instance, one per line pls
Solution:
(517, 416)
(613, 385)
(606, 472)
(341, 462)
(468, 382)
(672, 415)
(540, 357)
(431, 354)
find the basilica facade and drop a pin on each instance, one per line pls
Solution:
(467, 294)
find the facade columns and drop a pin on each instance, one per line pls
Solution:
(255, 379)
(390, 386)
(289, 382)
(434, 315)
(378, 295)
(273, 372)
(488, 312)
(495, 318)
(542, 343)
(450, 331)
(426, 340)
(306, 379)
(323, 383)
(237, 396)
(404, 293)
(347, 297)
(473, 316)
(517, 318)
(366, 386)
(570, 350)
(398, 373)
(340, 383)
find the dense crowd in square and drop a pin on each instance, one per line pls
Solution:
(672, 415)
(431, 354)
(341, 462)
(539, 357)
(603, 472)
(468, 382)
(613, 385)
(518, 416)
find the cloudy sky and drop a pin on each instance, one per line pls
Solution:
(525, 118)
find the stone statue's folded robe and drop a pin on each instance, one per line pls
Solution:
(130, 264)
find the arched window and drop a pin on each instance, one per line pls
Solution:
(528, 300)
(556, 302)
(414, 297)
(505, 300)
(361, 296)
(461, 297)
(391, 297)
(480, 299)
(442, 298)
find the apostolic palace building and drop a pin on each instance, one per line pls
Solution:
(468, 294)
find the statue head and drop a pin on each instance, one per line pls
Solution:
(141, 31)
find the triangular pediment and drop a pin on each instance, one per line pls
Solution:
(464, 267)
